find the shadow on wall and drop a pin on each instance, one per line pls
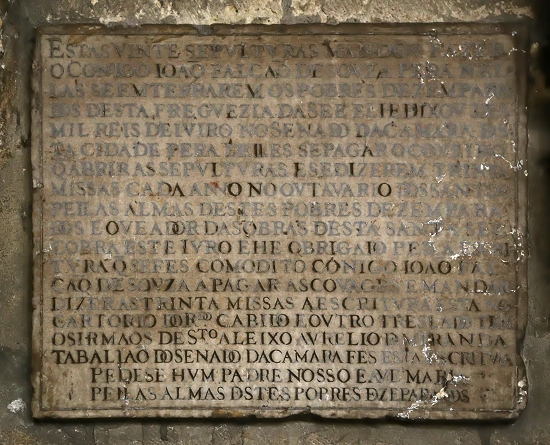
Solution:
(539, 152)
(541, 9)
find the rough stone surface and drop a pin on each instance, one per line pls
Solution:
(134, 374)
(19, 18)
(406, 10)
(157, 11)
(187, 434)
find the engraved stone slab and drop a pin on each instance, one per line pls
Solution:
(266, 221)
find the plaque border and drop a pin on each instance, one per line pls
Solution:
(520, 34)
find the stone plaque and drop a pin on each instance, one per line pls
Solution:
(234, 221)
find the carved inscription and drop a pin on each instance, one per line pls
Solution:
(236, 224)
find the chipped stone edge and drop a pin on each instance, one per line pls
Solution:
(37, 254)
(522, 43)
(433, 28)
(37, 207)
(520, 33)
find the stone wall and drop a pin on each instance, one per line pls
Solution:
(21, 17)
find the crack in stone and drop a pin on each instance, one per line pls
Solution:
(440, 395)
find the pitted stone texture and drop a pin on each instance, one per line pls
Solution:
(276, 434)
(128, 13)
(15, 208)
(501, 437)
(11, 436)
(406, 10)
(434, 435)
(354, 434)
(131, 13)
(227, 434)
(45, 435)
(129, 434)
(174, 434)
